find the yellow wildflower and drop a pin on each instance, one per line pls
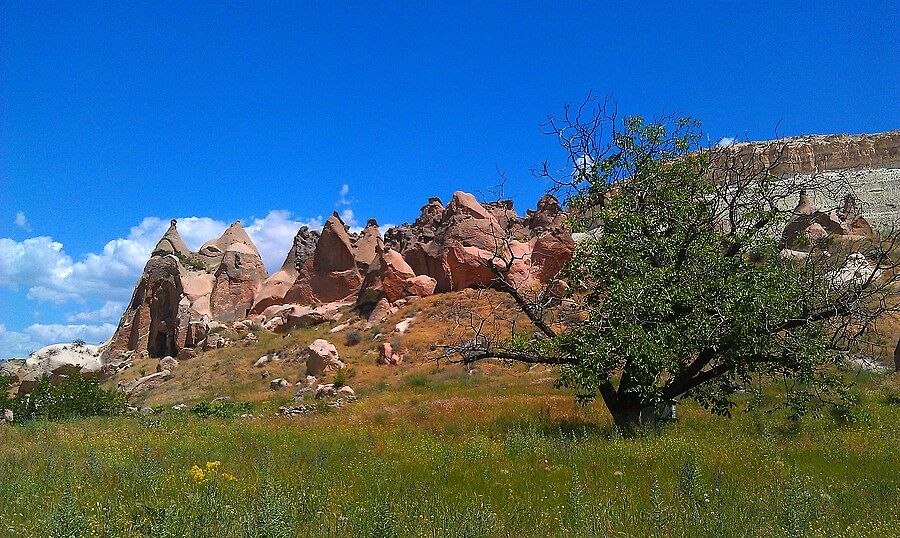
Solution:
(197, 473)
(228, 477)
(213, 465)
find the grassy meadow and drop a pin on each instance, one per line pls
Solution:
(433, 449)
(457, 457)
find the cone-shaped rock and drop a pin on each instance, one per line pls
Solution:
(171, 243)
(331, 273)
(239, 273)
(364, 249)
(274, 289)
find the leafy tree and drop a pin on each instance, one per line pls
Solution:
(680, 284)
(71, 397)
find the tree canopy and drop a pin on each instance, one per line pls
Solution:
(681, 283)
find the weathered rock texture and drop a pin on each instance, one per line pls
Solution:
(870, 163)
(181, 291)
(448, 247)
(454, 244)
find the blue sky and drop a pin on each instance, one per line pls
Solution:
(117, 117)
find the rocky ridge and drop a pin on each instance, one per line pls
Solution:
(183, 296)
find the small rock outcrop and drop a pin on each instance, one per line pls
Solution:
(809, 224)
(321, 356)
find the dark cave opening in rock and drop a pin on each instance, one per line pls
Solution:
(163, 321)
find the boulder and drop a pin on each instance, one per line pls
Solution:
(278, 383)
(381, 311)
(186, 353)
(167, 363)
(403, 326)
(262, 361)
(391, 278)
(469, 267)
(386, 355)
(321, 356)
(331, 391)
(8, 416)
(420, 286)
(143, 384)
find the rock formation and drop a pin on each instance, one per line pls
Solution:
(809, 224)
(331, 273)
(454, 244)
(273, 289)
(180, 291)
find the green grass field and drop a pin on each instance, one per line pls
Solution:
(459, 457)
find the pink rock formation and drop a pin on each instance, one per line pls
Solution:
(331, 274)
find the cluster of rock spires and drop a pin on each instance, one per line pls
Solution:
(181, 292)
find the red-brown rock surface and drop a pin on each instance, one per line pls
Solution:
(331, 273)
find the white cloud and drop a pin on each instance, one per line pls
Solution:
(111, 310)
(22, 221)
(49, 274)
(726, 141)
(345, 190)
(274, 234)
(35, 261)
(350, 220)
(58, 333)
(15, 344)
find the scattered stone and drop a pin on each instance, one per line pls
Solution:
(262, 361)
(179, 407)
(8, 416)
(379, 313)
(167, 363)
(330, 391)
(321, 356)
(308, 409)
(338, 328)
(186, 353)
(221, 399)
(278, 383)
(403, 326)
(387, 356)
(266, 374)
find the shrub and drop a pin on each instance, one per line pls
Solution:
(220, 409)
(353, 337)
(340, 378)
(75, 396)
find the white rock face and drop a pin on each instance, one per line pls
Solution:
(50, 358)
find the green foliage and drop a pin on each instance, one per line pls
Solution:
(190, 262)
(226, 409)
(70, 397)
(340, 377)
(667, 291)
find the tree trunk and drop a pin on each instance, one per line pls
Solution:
(630, 416)
(627, 419)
